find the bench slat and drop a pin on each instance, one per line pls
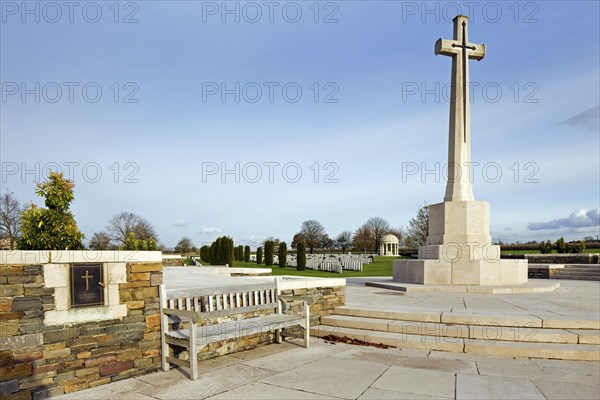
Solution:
(199, 292)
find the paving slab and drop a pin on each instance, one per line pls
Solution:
(560, 390)
(417, 382)
(381, 394)
(115, 390)
(353, 377)
(407, 358)
(477, 387)
(210, 383)
(259, 391)
(293, 358)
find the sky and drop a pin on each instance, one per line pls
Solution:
(248, 118)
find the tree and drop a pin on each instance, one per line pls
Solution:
(133, 243)
(259, 255)
(269, 249)
(545, 248)
(272, 239)
(378, 227)
(282, 253)
(240, 253)
(298, 237)
(122, 224)
(184, 245)
(418, 228)
(400, 233)
(561, 246)
(313, 234)
(100, 241)
(344, 240)
(576, 247)
(10, 218)
(363, 239)
(247, 254)
(54, 227)
(301, 257)
(222, 251)
(205, 254)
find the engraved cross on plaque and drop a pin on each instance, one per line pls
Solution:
(87, 278)
(461, 50)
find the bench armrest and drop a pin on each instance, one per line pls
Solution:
(195, 317)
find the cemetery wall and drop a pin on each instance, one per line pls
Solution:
(556, 258)
(48, 348)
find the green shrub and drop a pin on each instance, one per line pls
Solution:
(54, 227)
(259, 255)
(576, 247)
(561, 246)
(301, 256)
(282, 253)
(247, 254)
(269, 249)
(545, 247)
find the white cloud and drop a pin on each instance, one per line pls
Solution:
(181, 224)
(577, 219)
(208, 231)
(587, 120)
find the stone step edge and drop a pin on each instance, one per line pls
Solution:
(560, 351)
(465, 331)
(533, 321)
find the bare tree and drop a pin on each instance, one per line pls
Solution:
(418, 228)
(100, 241)
(10, 218)
(184, 245)
(363, 239)
(344, 240)
(313, 233)
(121, 225)
(400, 233)
(378, 227)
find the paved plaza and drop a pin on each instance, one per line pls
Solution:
(341, 371)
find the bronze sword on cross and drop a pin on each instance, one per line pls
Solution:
(460, 73)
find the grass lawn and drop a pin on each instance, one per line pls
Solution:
(382, 266)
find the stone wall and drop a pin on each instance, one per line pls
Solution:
(40, 359)
(556, 258)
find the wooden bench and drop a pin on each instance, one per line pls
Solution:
(193, 306)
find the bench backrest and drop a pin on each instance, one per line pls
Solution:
(223, 301)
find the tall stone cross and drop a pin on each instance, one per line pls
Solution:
(458, 187)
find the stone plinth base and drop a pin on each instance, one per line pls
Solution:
(461, 272)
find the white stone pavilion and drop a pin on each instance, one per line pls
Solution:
(389, 246)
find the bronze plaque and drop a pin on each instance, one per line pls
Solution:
(87, 288)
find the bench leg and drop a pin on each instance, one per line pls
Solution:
(277, 335)
(193, 352)
(306, 325)
(165, 353)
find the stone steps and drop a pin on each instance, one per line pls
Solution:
(562, 351)
(517, 335)
(578, 272)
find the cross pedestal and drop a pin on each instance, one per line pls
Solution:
(459, 249)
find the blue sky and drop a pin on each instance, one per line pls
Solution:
(160, 126)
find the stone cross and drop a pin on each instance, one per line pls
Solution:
(458, 187)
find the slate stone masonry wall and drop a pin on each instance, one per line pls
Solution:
(40, 360)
